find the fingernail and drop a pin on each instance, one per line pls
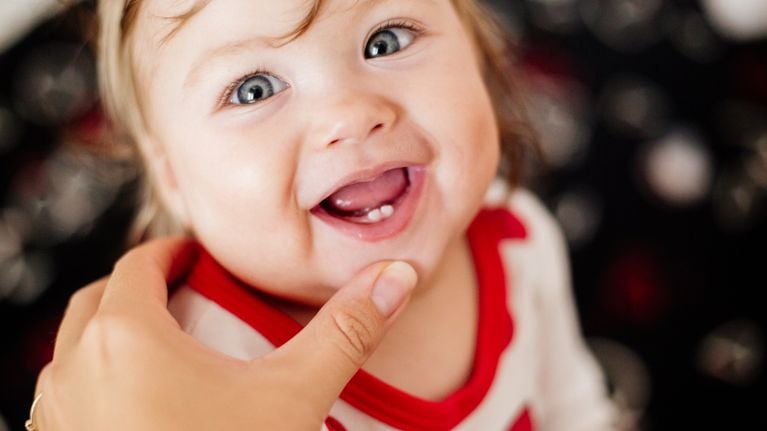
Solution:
(392, 287)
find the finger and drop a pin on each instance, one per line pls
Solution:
(335, 344)
(39, 415)
(82, 305)
(141, 277)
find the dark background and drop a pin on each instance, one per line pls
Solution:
(654, 124)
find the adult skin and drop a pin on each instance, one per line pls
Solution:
(121, 361)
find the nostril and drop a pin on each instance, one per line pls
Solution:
(347, 133)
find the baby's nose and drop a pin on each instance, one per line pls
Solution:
(353, 119)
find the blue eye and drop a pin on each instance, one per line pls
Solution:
(256, 88)
(387, 41)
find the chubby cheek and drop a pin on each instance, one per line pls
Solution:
(236, 186)
(466, 134)
(456, 109)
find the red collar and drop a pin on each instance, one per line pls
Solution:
(366, 392)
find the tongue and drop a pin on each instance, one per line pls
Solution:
(369, 194)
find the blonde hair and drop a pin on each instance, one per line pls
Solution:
(121, 100)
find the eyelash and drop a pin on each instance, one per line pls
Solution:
(393, 23)
(397, 23)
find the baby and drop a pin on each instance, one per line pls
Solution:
(300, 141)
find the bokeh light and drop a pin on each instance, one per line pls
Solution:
(36, 272)
(579, 212)
(559, 16)
(634, 107)
(624, 25)
(55, 83)
(629, 379)
(739, 20)
(10, 130)
(11, 249)
(739, 202)
(691, 34)
(559, 111)
(678, 168)
(636, 288)
(733, 352)
(67, 192)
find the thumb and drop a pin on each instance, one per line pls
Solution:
(326, 354)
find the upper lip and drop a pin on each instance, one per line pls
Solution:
(365, 174)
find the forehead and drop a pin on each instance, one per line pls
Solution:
(167, 17)
(164, 18)
(160, 23)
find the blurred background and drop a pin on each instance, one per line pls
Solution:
(653, 118)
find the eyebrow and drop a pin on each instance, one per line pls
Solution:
(230, 49)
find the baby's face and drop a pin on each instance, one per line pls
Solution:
(371, 136)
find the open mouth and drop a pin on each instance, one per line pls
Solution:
(368, 201)
(375, 208)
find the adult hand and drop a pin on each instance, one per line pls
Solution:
(121, 361)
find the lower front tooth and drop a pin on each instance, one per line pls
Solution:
(387, 211)
(374, 215)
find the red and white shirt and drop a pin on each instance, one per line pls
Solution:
(531, 368)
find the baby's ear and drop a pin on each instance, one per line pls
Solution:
(162, 178)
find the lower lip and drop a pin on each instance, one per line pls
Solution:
(404, 209)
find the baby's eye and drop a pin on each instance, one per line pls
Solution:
(388, 40)
(256, 88)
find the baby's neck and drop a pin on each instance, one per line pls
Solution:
(429, 350)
